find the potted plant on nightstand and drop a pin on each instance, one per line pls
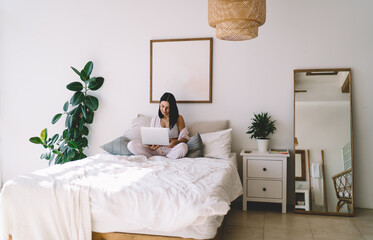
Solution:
(261, 126)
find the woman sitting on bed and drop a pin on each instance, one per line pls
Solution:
(168, 117)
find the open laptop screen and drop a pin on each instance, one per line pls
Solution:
(154, 136)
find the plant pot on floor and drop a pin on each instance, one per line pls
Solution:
(263, 145)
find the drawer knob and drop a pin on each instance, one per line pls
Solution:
(264, 169)
(264, 189)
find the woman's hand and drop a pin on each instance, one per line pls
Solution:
(173, 143)
(153, 147)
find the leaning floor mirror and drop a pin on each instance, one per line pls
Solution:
(323, 146)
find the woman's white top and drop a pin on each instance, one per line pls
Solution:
(172, 133)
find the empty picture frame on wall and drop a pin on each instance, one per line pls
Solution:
(182, 67)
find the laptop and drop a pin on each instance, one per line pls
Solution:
(154, 136)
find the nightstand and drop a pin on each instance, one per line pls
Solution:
(264, 177)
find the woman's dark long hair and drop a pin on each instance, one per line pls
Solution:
(174, 111)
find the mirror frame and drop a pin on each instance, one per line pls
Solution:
(303, 164)
(351, 136)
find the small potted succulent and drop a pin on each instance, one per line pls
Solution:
(261, 126)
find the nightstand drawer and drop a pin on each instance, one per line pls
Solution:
(264, 169)
(264, 189)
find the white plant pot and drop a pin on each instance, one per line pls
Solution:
(263, 145)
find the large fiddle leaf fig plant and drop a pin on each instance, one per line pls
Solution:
(79, 112)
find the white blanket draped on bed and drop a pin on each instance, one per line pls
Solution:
(52, 203)
(156, 194)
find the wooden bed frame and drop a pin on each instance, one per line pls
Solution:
(129, 236)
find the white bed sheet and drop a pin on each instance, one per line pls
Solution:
(185, 198)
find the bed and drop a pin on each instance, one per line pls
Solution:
(117, 197)
(185, 198)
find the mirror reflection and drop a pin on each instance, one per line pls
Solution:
(323, 141)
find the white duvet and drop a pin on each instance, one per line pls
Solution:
(126, 194)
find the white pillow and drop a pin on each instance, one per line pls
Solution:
(206, 127)
(217, 144)
(134, 132)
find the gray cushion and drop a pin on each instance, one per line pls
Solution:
(117, 147)
(195, 147)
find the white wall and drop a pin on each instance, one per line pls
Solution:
(41, 39)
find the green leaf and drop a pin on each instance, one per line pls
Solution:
(88, 68)
(74, 116)
(56, 118)
(80, 156)
(65, 134)
(77, 113)
(66, 106)
(36, 140)
(75, 86)
(72, 144)
(43, 155)
(75, 133)
(54, 138)
(91, 102)
(85, 131)
(83, 75)
(48, 154)
(90, 116)
(65, 158)
(56, 152)
(84, 111)
(58, 159)
(51, 159)
(75, 70)
(80, 123)
(71, 113)
(90, 80)
(77, 98)
(44, 134)
(63, 148)
(84, 142)
(69, 121)
(71, 153)
(94, 85)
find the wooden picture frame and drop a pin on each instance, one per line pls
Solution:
(300, 160)
(182, 67)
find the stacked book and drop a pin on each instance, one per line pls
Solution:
(281, 151)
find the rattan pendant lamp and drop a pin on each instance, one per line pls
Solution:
(236, 20)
